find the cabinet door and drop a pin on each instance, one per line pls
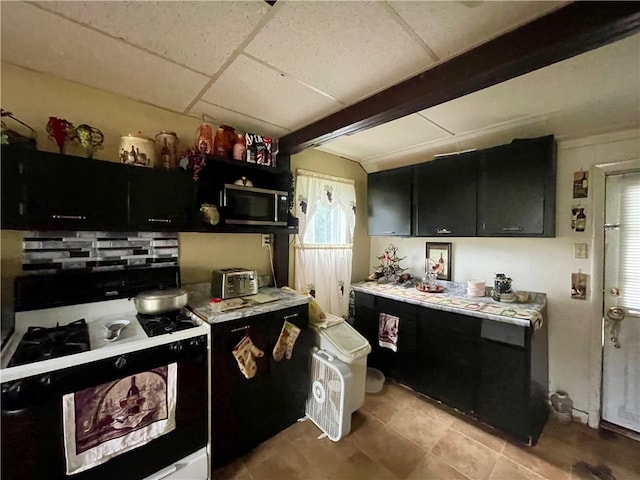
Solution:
(445, 197)
(503, 395)
(11, 189)
(516, 189)
(448, 346)
(290, 379)
(247, 411)
(401, 364)
(389, 202)
(65, 192)
(238, 404)
(160, 200)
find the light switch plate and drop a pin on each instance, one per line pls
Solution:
(580, 250)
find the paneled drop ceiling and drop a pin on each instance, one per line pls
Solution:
(277, 69)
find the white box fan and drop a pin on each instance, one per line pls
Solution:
(330, 387)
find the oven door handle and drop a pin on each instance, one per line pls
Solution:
(17, 411)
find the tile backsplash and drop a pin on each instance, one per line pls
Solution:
(50, 252)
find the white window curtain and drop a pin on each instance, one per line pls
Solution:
(326, 210)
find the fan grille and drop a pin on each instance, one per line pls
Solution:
(325, 402)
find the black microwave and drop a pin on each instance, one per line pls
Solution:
(254, 206)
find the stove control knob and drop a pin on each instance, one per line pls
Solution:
(176, 347)
(121, 361)
(196, 343)
(46, 380)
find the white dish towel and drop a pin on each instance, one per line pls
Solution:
(388, 331)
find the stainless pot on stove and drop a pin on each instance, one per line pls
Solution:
(151, 302)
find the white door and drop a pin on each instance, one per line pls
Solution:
(621, 353)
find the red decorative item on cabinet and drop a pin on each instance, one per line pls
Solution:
(60, 130)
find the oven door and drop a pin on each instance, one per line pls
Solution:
(33, 430)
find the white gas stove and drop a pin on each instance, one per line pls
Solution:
(58, 365)
(97, 315)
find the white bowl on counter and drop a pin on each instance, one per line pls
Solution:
(476, 288)
(475, 292)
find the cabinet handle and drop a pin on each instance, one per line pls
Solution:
(287, 317)
(443, 231)
(68, 217)
(511, 229)
(158, 220)
(388, 232)
(246, 327)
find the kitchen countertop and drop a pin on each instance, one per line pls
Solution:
(455, 299)
(200, 293)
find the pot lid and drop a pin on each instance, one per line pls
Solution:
(166, 132)
(161, 294)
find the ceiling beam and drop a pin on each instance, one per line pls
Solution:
(569, 31)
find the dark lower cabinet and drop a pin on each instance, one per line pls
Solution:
(448, 357)
(247, 411)
(492, 371)
(513, 379)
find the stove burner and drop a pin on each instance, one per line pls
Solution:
(167, 322)
(40, 343)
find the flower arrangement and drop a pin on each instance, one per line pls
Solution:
(192, 161)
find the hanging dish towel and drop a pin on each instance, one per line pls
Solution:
(388, 331)
(102, 422)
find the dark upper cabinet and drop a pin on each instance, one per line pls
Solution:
(445, 196)
(389, 202)
(505, 191)
(63, 192)
(160, 200)
(516, 189)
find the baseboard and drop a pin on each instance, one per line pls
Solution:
(580, 416)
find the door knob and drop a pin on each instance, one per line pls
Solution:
(616, 314)
(614, 292)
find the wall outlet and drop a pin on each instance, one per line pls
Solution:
(580, 250)
(266, 240)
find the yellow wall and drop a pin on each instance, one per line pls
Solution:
(33, 98)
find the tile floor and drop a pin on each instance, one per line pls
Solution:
(400, 435)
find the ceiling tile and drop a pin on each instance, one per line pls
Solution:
(348, 50)
(200, 35)
(250, 87)
(610, 71)
(65, 49)
(389, 137)
(452, 27)
(242, 123)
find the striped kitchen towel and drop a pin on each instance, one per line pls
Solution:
(388, 331)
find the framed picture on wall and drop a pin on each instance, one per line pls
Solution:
(439, 259)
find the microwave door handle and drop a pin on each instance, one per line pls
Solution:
(223, 198)
(275, 206)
